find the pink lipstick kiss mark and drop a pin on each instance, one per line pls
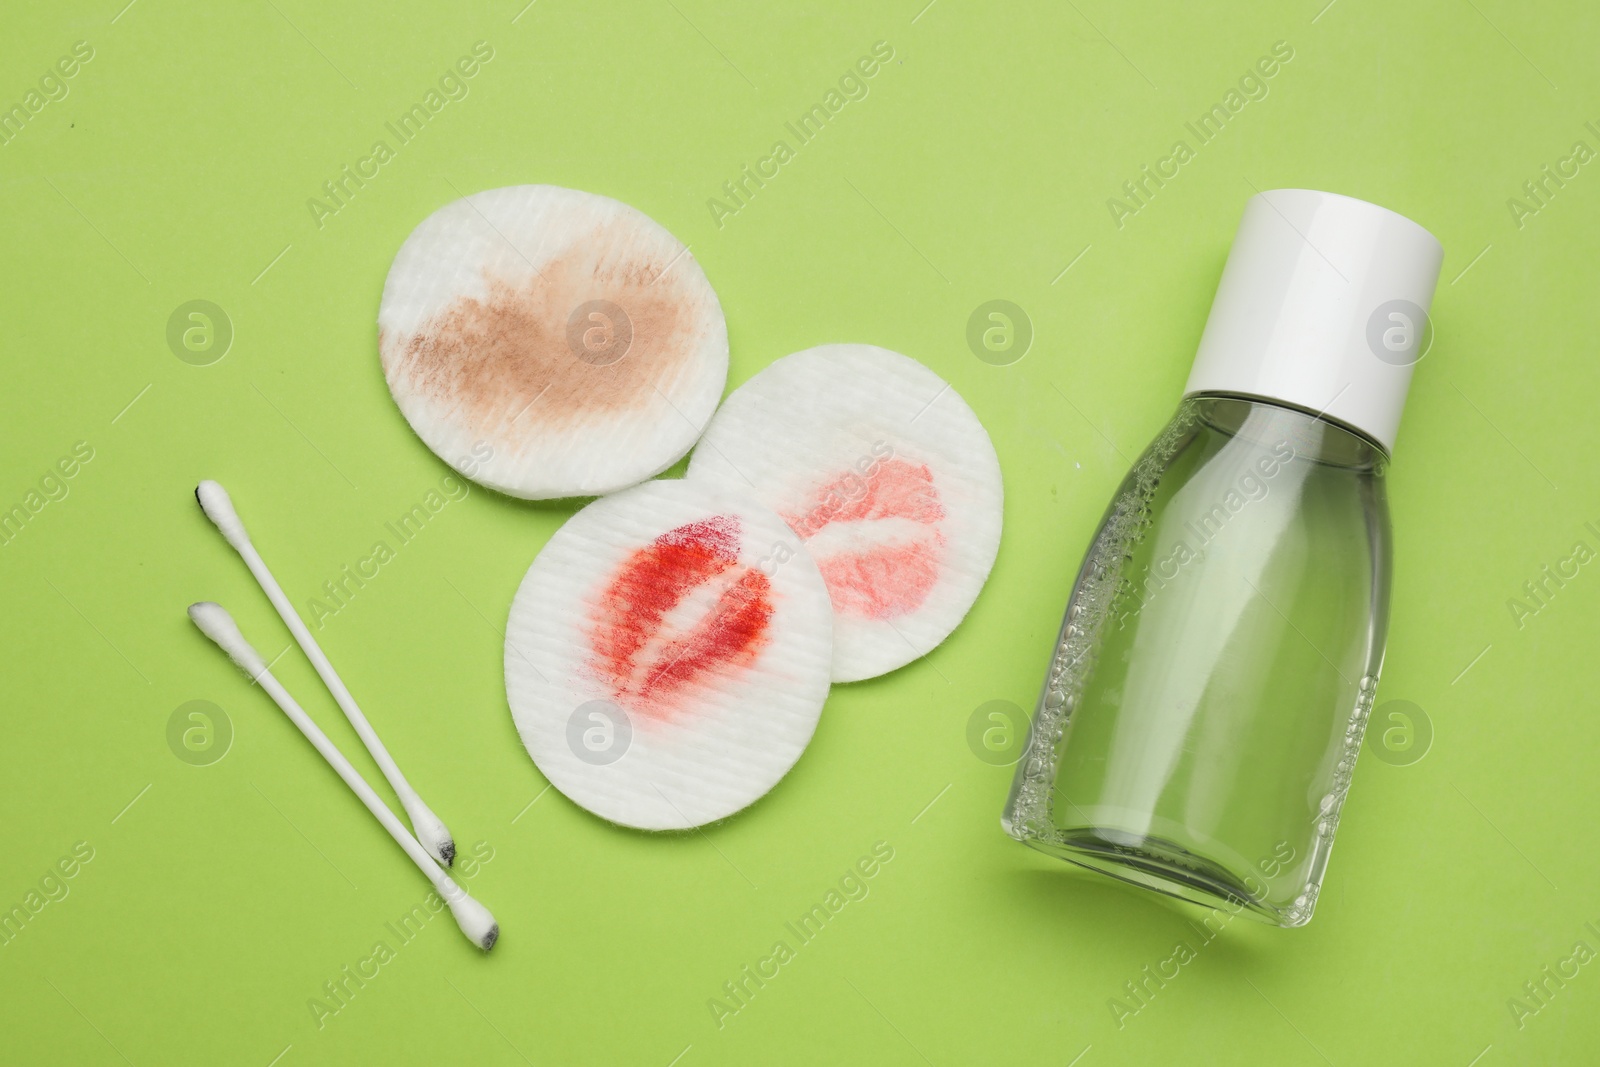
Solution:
(894, 577)
(651, 663)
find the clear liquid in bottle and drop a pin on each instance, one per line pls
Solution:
(1218, 658)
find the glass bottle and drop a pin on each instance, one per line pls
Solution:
(1219, 655)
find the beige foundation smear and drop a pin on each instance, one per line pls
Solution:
(550, 342)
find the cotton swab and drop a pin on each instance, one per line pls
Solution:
(217, 505)
(473, 918)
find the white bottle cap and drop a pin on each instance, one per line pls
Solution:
(1323, 306)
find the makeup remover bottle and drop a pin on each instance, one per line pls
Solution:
(1214, 672)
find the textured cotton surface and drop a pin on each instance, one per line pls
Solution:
(887, 475)
(667, 654)
(549, 342)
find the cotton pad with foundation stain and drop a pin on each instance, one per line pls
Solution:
(564, 335)
(889, 478)
(667, 655)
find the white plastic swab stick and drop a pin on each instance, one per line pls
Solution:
(214, 501)
(473, 918)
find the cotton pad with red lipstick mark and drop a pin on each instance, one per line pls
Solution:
(550, 342)
(887, 475)
(668, 653)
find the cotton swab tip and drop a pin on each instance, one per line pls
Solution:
(218, 506)
(430, 830)
(215, 622)
(475, 921)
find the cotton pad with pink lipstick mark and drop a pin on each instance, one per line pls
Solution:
(888, 477)
(668, 654)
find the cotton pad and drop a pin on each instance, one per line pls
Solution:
(667, 654)
(550, 342)
(886, 474)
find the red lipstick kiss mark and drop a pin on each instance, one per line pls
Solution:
(895, 577)
(651, 662)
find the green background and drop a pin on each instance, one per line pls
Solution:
(220, 898)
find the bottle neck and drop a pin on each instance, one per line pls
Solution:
(1268, 422)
